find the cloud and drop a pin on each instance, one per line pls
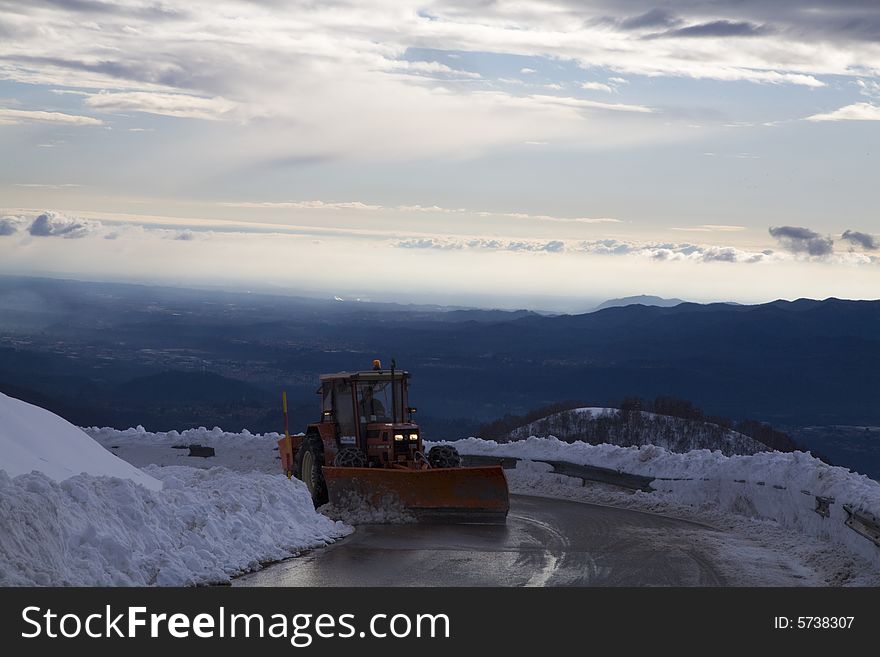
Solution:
(16, 116)
(48, 185)
(360, 205)
(431, 68)
(485, 244)
(597, 86)
(178, 105)
(667, 252)
(653, 18)
(580, 103)
(53, 224)
(802, 240)
(339, 77)
(304, 205)
(854, 112)
(866, 241)
(710, 228)
(722, 28)
(11, 225)
(870, 88)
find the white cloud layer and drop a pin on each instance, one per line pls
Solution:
(342, 77)
(854, 112)
(16, 116)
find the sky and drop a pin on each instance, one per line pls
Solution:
(546, 154)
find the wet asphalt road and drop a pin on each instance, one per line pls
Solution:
(544, 543)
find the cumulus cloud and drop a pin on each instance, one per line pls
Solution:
(11, 225)
(797, 239)
(660, 251)
(488, 244)
(54, 224)
(864, 240)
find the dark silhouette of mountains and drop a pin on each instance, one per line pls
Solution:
(643, 299)
(168, 358)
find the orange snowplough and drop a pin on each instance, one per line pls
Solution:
(367, 449)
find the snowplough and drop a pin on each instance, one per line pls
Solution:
(367, 449)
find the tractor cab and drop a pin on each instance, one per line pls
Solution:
(370, 413)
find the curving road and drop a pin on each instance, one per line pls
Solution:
(545, 542)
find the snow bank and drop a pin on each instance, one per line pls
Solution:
(32, 438)
(777, 486)
(204, 526)
(243, 451)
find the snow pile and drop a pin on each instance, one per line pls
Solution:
(203, 527)
(243, 451)
(596, 425)
(32, 438)
(777, 486)
(72, 513)
(355, 510)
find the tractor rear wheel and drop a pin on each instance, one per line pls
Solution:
(350, 457)
(307, 468)
(444, 456)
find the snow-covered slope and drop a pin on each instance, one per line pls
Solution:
(114, 524)
(203, 527)
(32, 438)
(608, 425)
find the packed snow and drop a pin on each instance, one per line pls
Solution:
(244, 452)
(72, 513)
(777, 487)
(597, 425)
(32, 438)
(205, 526)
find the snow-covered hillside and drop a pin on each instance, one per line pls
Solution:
(608, 425)
(72, 513)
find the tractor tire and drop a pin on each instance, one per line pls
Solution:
(307, 466)
(444, 456)
(350, 457)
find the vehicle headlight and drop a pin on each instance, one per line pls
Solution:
(413, 436)
(398, 436)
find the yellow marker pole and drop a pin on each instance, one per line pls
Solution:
(287, 431)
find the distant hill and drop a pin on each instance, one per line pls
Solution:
(194, 387)
(643, 299)
(610, 425)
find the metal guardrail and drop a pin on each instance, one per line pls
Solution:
(861, 522)
(582, 472)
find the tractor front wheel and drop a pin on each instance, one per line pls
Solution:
(307, 467)
(444, 456)
(350, 457)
